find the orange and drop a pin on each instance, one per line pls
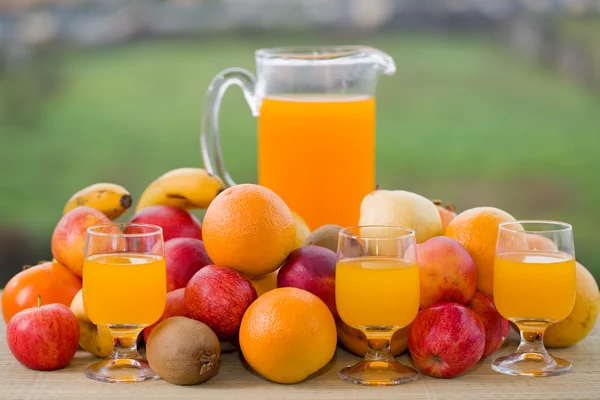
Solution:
(477, 230)
(288, 334)
(54, 282)
(250, 229)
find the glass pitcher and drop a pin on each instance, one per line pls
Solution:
(316, 126)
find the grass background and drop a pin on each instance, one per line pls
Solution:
(464, 120)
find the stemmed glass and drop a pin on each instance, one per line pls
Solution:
(124, 288)
(377, 291)
(534, 287)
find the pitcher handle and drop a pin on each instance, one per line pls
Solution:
(210, 144)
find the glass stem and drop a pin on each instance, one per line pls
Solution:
(532, 340)
(125, 345)
(379, 349)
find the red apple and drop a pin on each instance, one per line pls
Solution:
(219, 296)
(446, 340)
(175, 307)
(68, 238)
(496, 327)
(175, 222)
(311, 268)
(43, 338)
(447, 272)
(184, 257)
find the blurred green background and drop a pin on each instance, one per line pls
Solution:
(498, 109)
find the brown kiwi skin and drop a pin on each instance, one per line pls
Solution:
(324, 236)
(183, 351)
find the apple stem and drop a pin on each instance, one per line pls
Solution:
(39, 300)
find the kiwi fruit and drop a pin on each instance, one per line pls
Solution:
(324, 236)
(183, 351)
(352, 248)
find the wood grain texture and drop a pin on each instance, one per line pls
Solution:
(236, 381)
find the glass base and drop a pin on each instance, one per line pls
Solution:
(120, 370)
(378, 373)
(531, 364)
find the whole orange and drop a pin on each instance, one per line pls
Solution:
(250, 229)
(288, 334)
(477, 230)
(54, 282)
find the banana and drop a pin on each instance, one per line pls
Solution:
(184, 188)
(112, 200)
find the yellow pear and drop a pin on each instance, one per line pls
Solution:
(93, 339)
(403, 209)
(264, 283)
(583, 316)
(302, 230)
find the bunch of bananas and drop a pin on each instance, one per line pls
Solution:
(185, 188)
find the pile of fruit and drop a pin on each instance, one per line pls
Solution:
(254, 276)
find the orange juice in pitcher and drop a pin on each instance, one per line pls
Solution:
(324, 164)
(316, 127)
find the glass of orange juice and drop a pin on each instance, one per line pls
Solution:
(377, 292)
(534, 287)
(125, 289)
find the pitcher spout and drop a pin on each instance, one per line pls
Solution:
(382, 61)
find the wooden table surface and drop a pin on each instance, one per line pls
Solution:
(236, 381)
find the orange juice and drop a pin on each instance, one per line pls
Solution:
(534, 285)
(124, 288)
(318, 154)
(377, 291)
